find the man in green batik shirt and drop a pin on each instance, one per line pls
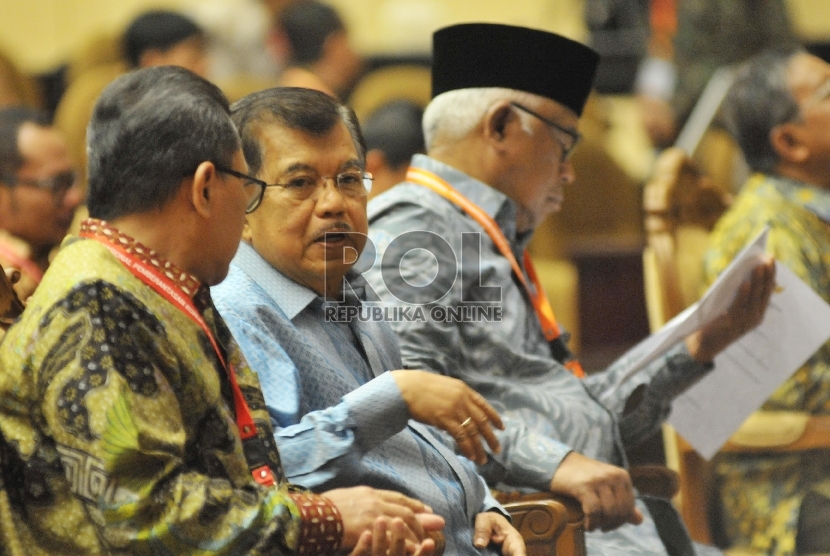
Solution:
(121, 423)
(779, 111)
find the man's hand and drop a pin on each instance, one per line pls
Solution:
(745, 313)
(451, 405)
(360, 506)
(604, 491)
(388, 537)
(492, 527)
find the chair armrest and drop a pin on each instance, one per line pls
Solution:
(549, 523)
(655, 480)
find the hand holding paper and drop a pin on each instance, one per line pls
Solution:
(745, 311)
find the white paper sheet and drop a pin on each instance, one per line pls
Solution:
(712, 304)
(796, 324)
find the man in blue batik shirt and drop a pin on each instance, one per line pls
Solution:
(340, 418)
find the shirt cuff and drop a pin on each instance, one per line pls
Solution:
(321, 531)
(378, 410)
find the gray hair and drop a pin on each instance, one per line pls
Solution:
(454, 114)
(759, 100)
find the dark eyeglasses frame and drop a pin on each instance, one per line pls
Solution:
(575, 136)
(51, 184)
(254, 203)
(252, 206)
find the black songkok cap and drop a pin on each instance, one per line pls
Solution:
(493, 55)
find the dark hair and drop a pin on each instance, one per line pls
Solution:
(306, 110)
(157, 29)
(149, 130)
(759, 100)
(307, 24)
(395, 129)
(11, 120)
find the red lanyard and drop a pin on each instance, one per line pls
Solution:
(22, 263)
(537, 295)
(172, 293)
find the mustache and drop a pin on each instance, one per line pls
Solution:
(336, 228)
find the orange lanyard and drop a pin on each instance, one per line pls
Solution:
(22, 263)
(537, 295)
(172, 293)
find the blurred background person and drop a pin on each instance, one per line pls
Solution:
(779, 111)
(393, 134)
(710, 34)
(154, 38)
(320, 53)
(38, 194)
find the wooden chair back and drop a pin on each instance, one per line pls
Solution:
(681, 206)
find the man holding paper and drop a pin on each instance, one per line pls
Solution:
(779, 112)
(498, 132)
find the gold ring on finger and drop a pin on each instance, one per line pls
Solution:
(466, 421)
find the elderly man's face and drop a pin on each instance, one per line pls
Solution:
(290, 231)
(538, 172)
(37, 204)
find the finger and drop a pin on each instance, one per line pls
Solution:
(491, 414)
(636, 517)
(484, 429)
(470, 447)
(430, 522)
(610, 514)
(592, 509)
(513, 545)
(427, 548)
(483, 530)
(397, 541)
(620, 505)
(364, 545)
(482, 421)
(413, 504)
(413, 525)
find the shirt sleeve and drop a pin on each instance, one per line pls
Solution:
(321, 449)
(643, 402)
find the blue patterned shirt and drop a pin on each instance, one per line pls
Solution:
(424, 240)
(339, 418)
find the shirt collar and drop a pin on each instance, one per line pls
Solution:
(496, 204)
(813, 199)
(291, 297)
(188, 283)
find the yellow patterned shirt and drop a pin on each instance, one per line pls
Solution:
(762, 494)
(118, 428)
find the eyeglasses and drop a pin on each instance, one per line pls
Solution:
(353, 184)
(254, 188)
(57, 185)
(575, 136)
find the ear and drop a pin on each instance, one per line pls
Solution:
(497, 119)
(150, 58)
(785, 140)
(375, 161)
(247, 233)
(202, 187)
